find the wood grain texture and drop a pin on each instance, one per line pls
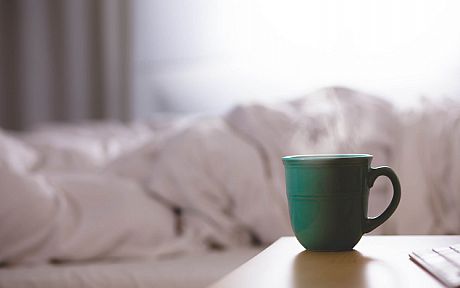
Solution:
(377, 261)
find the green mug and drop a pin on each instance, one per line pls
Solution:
(328, 199)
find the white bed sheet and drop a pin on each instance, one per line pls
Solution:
(197, 270)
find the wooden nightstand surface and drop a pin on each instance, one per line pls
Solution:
(377, 261)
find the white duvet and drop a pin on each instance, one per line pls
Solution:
(154, 189)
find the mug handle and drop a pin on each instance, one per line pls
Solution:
(374, 222)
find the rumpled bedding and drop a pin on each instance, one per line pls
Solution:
(429, 170)
(160, 188)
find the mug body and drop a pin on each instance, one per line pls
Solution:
(328, 198)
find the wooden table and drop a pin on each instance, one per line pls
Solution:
(377, 261)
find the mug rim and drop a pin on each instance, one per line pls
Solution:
(325, 158)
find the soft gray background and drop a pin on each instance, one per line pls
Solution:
(74, 60)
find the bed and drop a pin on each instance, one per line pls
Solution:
(181, 202)
(193, 271)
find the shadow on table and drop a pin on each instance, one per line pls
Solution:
(330, 269)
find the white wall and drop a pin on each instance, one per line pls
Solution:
(206, 55)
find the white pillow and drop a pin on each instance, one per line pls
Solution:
(77, 148)
(104, 217)
(15, 154)
(28, 209)
(79, 217)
